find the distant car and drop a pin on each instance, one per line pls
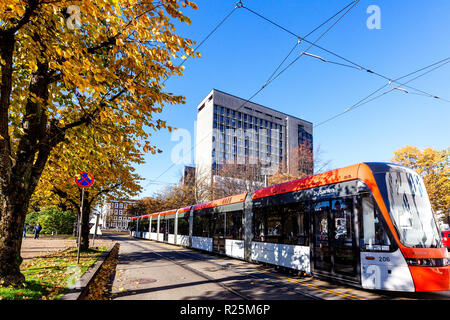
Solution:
(446, 238)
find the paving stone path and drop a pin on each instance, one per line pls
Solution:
(44, 245)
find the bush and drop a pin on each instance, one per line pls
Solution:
(52, 220)
(31, 220)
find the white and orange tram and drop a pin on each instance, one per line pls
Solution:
(369, 224)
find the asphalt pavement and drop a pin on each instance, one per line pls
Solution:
(150, 270)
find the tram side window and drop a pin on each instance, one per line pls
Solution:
(234, 228)
(144, 223)
(132, 225)
(201, 224)
(171, 225)
(154, 225)
(296, 224)
(162, 225)
(259, 225)
(375, 236)
(274, 224)
(183, 225)
(217, 224)
(141, 225)
(267, 224)
(138, 225)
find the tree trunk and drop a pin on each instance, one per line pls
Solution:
(11, 232)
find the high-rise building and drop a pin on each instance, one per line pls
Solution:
(231, 130)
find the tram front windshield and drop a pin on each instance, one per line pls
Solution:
(410, 208)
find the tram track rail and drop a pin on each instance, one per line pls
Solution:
(197, 272)
(254, 276)
(273, 275)
(199, 256)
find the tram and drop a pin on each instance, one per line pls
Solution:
(370, 225)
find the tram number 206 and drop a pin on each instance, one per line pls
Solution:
(384, 259)
(246, 309)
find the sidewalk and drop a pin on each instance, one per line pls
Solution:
(44, 245)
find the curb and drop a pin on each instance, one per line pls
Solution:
(79, 287)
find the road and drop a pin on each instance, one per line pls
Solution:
(150, 270)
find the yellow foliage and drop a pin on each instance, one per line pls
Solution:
(433, 166)
(104, 70)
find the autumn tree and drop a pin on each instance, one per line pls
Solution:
(233, 178)
(144, 206)
(111, 163)
(433, 166)
(172, 197)
(306, 163)
(64, 67)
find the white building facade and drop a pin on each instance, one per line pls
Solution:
(112, 214)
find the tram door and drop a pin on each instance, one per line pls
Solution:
(218, 229)
(321, 241)
(334, 242)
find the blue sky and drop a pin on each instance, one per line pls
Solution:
(240, 56)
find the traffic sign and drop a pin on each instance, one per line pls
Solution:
(84, 179)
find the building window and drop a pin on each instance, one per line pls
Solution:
(304, 137)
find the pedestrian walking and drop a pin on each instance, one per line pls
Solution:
(25, 230)
(37, 229)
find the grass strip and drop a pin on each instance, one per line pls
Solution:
(49, 277)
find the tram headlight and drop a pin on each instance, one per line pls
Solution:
(427, 262)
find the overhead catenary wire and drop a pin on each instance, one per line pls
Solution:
(207, 37)
(350, 64)
(195, 50)
(306, 36)
(314, 44)
(272, 78)
(364, 101)
(353, 3)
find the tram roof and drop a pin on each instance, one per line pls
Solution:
(221, 202)
(330, 177)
